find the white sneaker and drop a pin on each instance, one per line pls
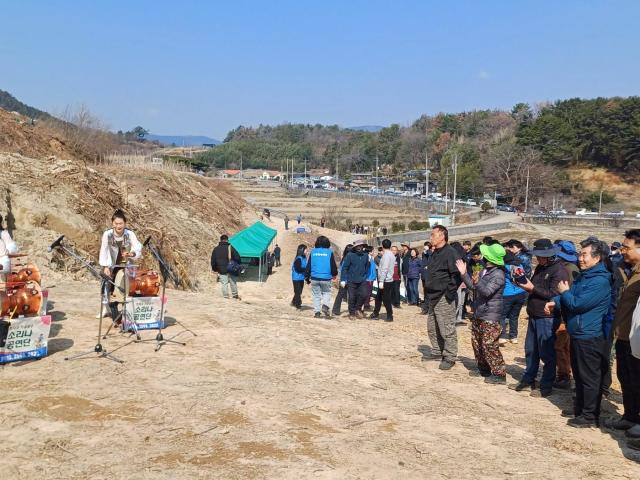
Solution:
(502, 342)
(514, 341)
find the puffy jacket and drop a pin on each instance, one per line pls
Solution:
(525, 261)
(585, 305)
(356, 266)
(545, 286)
(487, 301)
(511, 288)
(220, 257)
(414, 267)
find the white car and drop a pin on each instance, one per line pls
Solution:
(471, 203)
(562, 211)
(584, 211)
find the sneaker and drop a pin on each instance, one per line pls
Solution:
(633, 443)
(352, 317)
(581, 422)
(237, 298)
(543, 392)
(522, 386)
(446, 364)
(496, 380)
(622, 424)
(633, 432)
(568, 413)
(317, 315)
(514, 341)
(374, 316)
(359, 314)
(388, 319)
(502, 342)
(562, 383)
(325, 310)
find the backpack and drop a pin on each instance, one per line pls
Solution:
(233, 268)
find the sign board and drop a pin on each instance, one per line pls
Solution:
(27, 338)
(144, 312)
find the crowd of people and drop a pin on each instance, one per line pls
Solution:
(579, 306)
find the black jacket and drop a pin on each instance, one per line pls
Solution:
(220, 257)
(405, 264)
(276, 252)
(443, 278)
(545, 286)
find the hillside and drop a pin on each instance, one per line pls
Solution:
(11, 104)
(50, 190)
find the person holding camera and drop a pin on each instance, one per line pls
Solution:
(223, 257)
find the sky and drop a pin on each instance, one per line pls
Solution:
(205, 67)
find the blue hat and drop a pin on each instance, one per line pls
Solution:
(567, 251)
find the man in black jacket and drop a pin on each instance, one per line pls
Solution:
(541, 336)
(441, 293)
(356, 268)
(220, 258)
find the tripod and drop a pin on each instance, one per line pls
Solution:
(166, 272)
(127, 324)
(104, 299)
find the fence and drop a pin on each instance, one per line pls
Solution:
(582, 221)
(144, 161)
(406, 202)
(461, 231)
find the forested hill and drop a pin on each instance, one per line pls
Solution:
(599, 132)
(11, 104)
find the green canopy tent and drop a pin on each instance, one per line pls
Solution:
(253, 242)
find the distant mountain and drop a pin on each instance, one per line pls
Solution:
(182, 140)
(11, 104)
(367, 128)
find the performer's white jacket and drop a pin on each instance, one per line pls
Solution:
(7, 246)
(109, 249)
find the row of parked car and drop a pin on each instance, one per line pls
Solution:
(582, 212)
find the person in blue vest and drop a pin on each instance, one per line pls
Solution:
(513, 298)
(320, 271)
(298, 268)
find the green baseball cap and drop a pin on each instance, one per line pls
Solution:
(493, 253)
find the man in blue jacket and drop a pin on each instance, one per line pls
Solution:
(356, 267)
(584, 307)
(321, 269)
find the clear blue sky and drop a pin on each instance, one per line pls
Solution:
(205, 67)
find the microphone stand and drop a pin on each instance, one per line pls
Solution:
(166, 272)
(104, 300)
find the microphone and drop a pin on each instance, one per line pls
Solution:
(55, 244)
(146, 242)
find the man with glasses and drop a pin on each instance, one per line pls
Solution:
(628, 365)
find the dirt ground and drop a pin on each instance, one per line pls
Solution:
(263, 391)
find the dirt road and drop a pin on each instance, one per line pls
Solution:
(263, 391)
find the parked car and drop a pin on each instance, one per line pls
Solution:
(584, 211)
(561, 211)
(505, 208)
(615, 214)
(471, 202)
(637, 215)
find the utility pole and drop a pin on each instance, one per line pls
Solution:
(426, 173)
(600, 205)
(337, 175)
(377, 168)
(241, 165)
(446, 192)
(305, 172)
(455, 187)
(526, 193)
